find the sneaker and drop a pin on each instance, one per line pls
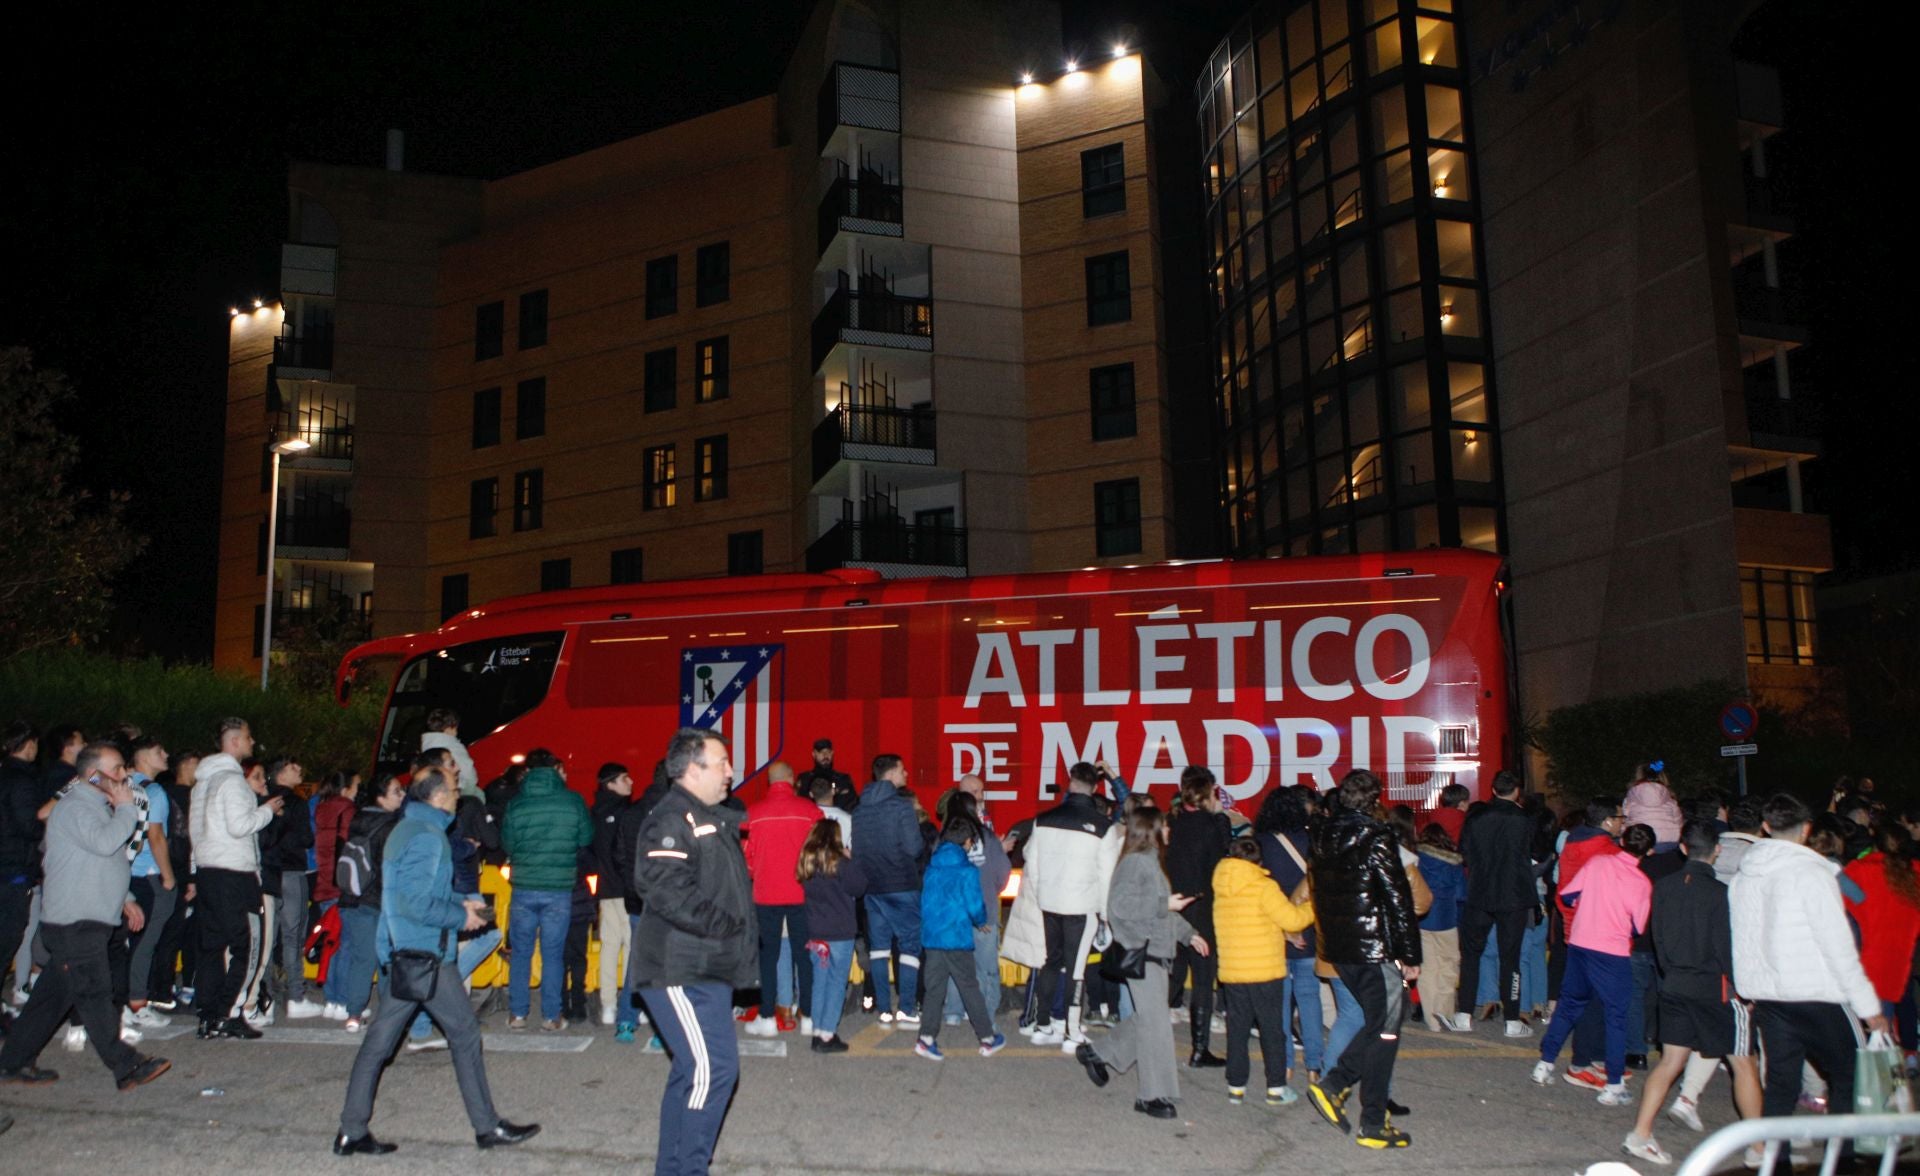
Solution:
(1542, 1073)
(1383, 1137)
(1645, 1148)
(1236, 1096)
(423, 1044)
(210, 1031)
(1686, 1113)
(261, 1018)
(303, 1009)
(516, 1024)
(1053, 1034)
(992, 1045)
(145, 1072)
(1585, 1076)
(1282, 1096)
(607, 1014)
(1027, 1030)
(829, 1045)
(76, 1039)
(746, 1014)
(553, 1026)
(885, 1017)
(623, 1033)
(129, 1035)
(929, 1050)
(334, 1011)
(903, 1017)
(1332, 1107)
(144, 1016)
(237, 1027)
(1615, 1095)
(1756, 1157)
(352, 1025)
(806, 1026)
(762, 1027)
(1519, 1029)
(186, 995)
(1180, 1015)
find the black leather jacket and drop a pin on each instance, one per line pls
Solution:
(1363, 905)
(1496, 846)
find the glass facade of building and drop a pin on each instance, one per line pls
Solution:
(1353, 372)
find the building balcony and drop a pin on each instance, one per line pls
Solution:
(305, 357)
(304, 531)
(1781, 539)
(873, 318)
(1794, 425)
(860, 432)
(891, 546)
(856, 98)
(859, 203)
(340, 622)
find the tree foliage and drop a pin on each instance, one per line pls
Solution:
(1593, 747)
(60, 547)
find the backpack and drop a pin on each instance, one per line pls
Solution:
(353, 873)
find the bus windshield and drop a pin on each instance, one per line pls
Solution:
(488, 682)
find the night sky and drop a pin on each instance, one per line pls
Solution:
(147, 194)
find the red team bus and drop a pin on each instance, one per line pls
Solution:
(1270, 672)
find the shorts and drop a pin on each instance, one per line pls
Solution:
(1710, 1028)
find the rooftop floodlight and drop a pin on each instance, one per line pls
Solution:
(1073, 67)
(1119, 50)
(1026, 79)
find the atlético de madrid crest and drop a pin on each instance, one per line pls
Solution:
(738, 693)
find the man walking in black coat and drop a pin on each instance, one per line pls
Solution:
(1495, 846)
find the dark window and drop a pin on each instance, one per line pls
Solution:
(556, 574)
(663, 286)
(712, 271)
(486, 418)
(710, 370)
(266, 469)
(1109, 289)
(1103, 180)
(489, 329)
(259, 628)
(533, 319)
(745, 556)
(490, 682)
(710, 468)
(483, 499)
(529, 493)
(657, 470)
(1112, 391)
(530, 409)
(661, 368)
(1116, 517)
(453, 595)
(627, 566)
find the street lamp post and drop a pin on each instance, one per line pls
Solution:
(273, 527)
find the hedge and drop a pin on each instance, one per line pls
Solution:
(182, 704)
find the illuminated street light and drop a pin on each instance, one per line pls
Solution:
(273, 526)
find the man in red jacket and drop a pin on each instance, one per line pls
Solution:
(775, 829)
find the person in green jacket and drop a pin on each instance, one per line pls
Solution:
(546, 828)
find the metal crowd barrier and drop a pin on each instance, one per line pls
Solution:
(1779, 1133)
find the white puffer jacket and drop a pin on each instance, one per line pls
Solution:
(1790, 936)
(226, 816)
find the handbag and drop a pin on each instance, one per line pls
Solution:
(412, 975)
(1879, 1088)
(1119, 964)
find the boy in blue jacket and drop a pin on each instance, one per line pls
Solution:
(950, 909)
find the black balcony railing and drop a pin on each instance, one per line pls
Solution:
(315, 528)
(312, 351)
(858, 96)
(872, 425)
(888, 541)
(334, 442)
(862, 204)
(872, 316)
(1757, 302)
(340, 622)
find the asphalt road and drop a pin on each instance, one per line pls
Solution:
(877, 1109)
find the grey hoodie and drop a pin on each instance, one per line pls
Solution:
(86, 858)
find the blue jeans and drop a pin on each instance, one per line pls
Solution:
(695, 1023)
(472, 954)
(542, 916)
(1303, 992)
(986, 970)
(830, 985)
(1348, 1019)
(358, 926)
(1593, 976)
(893, 924)
(783, 973)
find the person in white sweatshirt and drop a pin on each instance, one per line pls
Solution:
(443, 733)
(226, 815)
(1794, 958)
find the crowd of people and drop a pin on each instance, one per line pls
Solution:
(1753, 935)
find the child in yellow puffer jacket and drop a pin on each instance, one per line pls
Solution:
(1250, 919)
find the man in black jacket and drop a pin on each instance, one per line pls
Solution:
(1369, 933)
(696, 942)
(1496, 847)
(845, 797)
(20, 832)
(615, 793)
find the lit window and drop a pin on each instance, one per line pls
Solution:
(657, 487)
